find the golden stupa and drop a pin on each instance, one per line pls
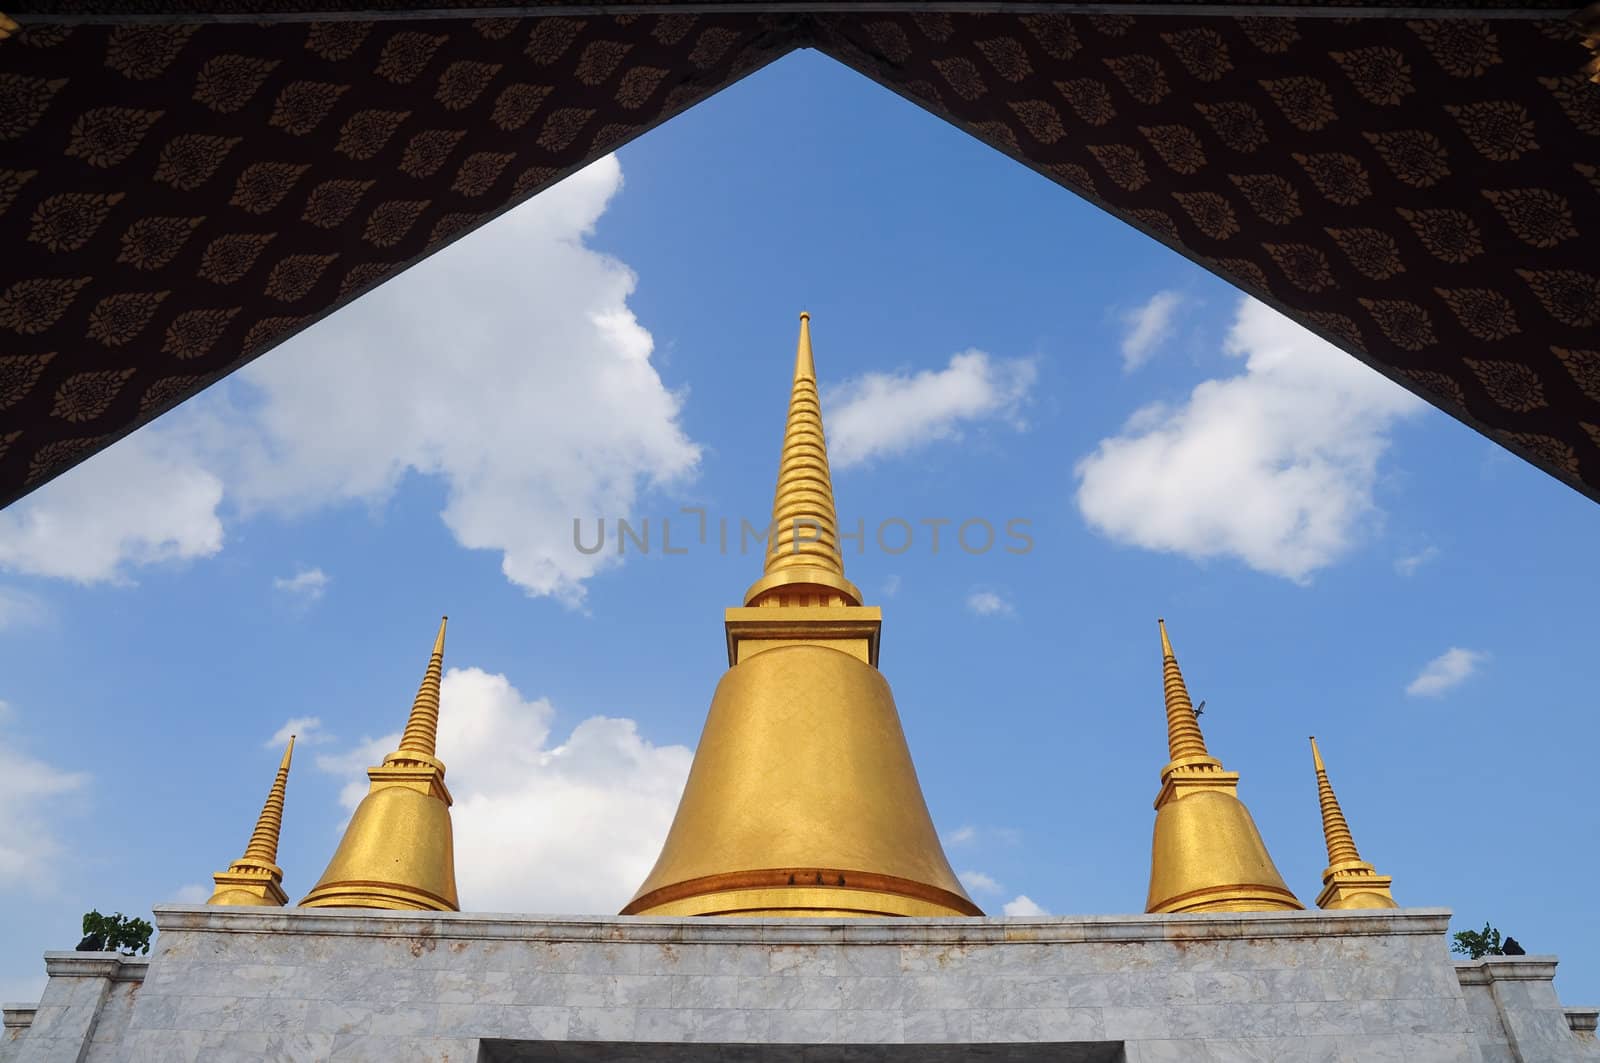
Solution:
(1207, 855)
(255, 879)
(399, 851)
(1349, 881)
(802, 800)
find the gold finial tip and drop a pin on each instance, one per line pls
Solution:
(804, 316)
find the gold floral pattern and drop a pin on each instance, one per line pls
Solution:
(188, 161)
(227, 83)
(427, 151)
(463, 82)
(1304, 265)
(1270, 196)
(1141, 75)
(1211, 214)
(1237, 124)
(1042, 121)
(1123, 164)
(1414, 156)
(331, 202)
(711, 46)
(1008, 58)
(1577, 97)
(479, 171)
(1090, 99)
(389, 223)
(599, 60)
(961, 74)
(23, 102)
(562, 127)
(261, 186)
(142, 52)
(166, 393)
(19, 373)
(151, 243)
(1340, 328)
(268, 330)
(1054, 33)
(1178, 147)
(363, 277)
(1571, 297)
(11, 182)
(891, 40)
(365, 133)
(301, 107)
(59, 455)
(336, 41)
(1245, 273)
(1463, 48)
(406, 55)
(193, 333)
(31, 306)
(1273, 36)
(551, 38)
(1439, 387)
(291, 279)
(1547, 449)
(638, 85)
(1449, 235)
(1339, 177)
(1500, 130)
(1202, 51)
(1484, 313)
(118, 319)
(1406, 324)
(1536, 215)
(106, 136)
(1304, 101)
(1380, 75)
(516, 104)
(1584, 367)
(65, 222)
(86, 396)
(227, 258)
(1512, 385)
(1373, 252)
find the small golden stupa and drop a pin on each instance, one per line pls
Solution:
(1207, 855)
(1349, 881)
(802, 800)
(255, 879)
(399, 851)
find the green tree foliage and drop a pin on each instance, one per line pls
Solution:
(115, 933)
(1476, 944)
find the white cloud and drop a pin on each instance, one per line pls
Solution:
(1022, 904)
(988, 603)
(541, 826)
(1407, 566)
(307, 731)
(1147, 327)
(887, 414)
(143, 501)
(961, 835)
(1274, 466)
(192, 893)
(20, 609)
(30, 792)
(508, 365)
(307, 583)
(1446, 671)
(978, 882)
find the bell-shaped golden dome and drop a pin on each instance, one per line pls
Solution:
(1207, 855)
(399, 850)
(802, 800)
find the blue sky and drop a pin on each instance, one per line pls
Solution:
(1332, 556)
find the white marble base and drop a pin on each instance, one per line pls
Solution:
(314, 984)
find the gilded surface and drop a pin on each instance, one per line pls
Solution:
(399, 849)
(1348, 881)
(255, 879)
(802, 800)
(1206, 854)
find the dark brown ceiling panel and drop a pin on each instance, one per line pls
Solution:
(1426, 196)
(176, 198)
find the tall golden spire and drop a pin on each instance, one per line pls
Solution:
(255, 879)
(1206, 855)
(803, 566)
(802, 800)
(1348, 881)
(399, 850)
